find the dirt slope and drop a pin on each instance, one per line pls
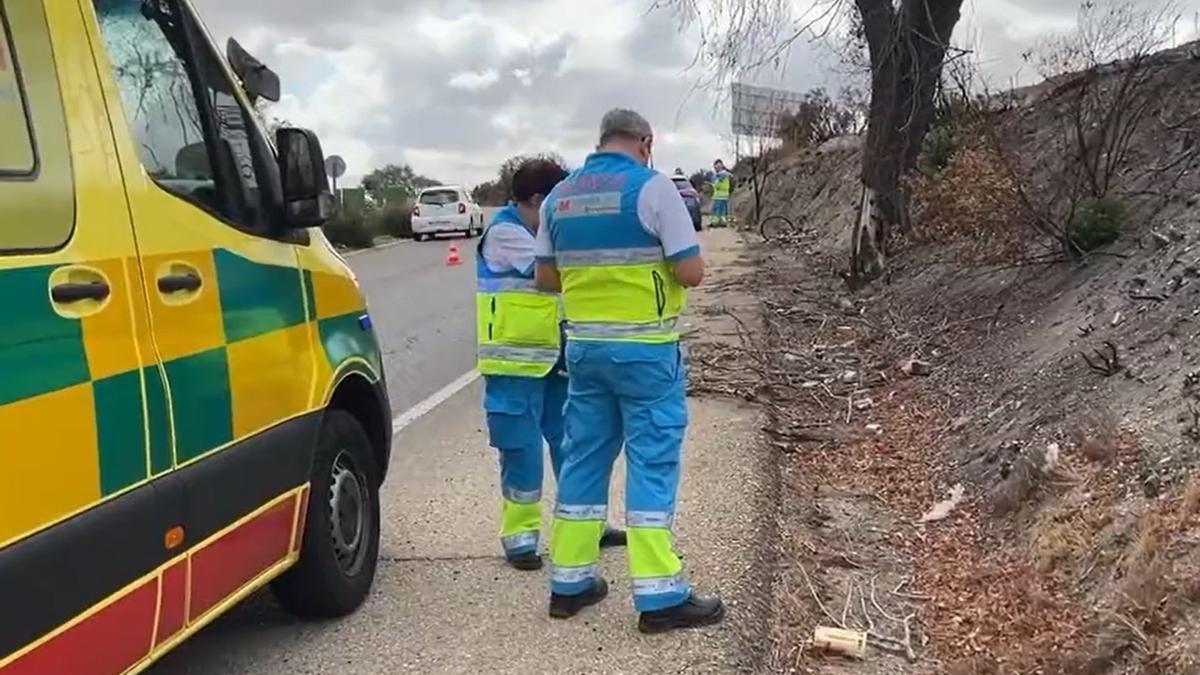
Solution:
(1074, 546)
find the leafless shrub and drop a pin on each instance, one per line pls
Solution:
(759, 168)
(1105, 95)
(1108, 32)
(1104, 89)
(820, 118)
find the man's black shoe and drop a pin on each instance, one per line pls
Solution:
(567, 606)
(696, 612)
(613, 538)
(526, 562)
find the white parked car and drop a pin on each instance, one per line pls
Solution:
(446, 209)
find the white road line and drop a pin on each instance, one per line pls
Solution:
(437, 398)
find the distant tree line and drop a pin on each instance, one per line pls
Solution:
(498, 191)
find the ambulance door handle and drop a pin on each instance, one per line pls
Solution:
(70, 292)
(176, 283)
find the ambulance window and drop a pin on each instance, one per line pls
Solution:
(194, 135)
(37, 198)
(144, 41)
(237, 135)
(16, 136)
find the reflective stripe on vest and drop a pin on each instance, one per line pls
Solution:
(616, 283)
(517, 326)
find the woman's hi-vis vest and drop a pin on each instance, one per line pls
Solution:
(616, 283)
(517, 325)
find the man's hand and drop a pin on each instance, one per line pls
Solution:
(689, 271)
(546, 277)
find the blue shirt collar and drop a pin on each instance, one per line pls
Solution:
(611, 154)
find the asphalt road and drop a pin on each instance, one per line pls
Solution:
(444, 601)
(424, 313)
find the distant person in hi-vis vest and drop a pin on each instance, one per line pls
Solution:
(722, 187)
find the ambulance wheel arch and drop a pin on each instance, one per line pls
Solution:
(359, 397)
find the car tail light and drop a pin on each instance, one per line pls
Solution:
(462, 208)
(416, 212)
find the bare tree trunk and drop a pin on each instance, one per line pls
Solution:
(907, 46)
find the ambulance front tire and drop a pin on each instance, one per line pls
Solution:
(340, 548)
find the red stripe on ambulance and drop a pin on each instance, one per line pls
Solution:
(109, 641)
(234, 560)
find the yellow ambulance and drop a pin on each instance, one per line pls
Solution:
(192, 403)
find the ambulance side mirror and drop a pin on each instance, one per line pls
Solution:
(307, 199)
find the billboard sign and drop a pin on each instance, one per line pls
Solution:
(758, 111)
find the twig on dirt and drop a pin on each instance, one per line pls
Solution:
(812, 589)
(851, 562)
(846, 607)
(912, 655)
(879, 607)
(913, 596)
(1107, 364)
(862, 598)
(906, 644)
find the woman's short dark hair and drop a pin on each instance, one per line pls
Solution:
(536, 177)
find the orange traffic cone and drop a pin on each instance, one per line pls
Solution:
(452, 255)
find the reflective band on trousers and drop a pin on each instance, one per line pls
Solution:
(522, 496)
(659, 519)
(573, 575)
(600, 330)
(519, 540)
(659, 585)
(598, 257)
(581, 511)
(529, 354)
(501, 284)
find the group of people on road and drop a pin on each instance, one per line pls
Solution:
(581, 283)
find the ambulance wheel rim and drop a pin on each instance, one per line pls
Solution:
(347, 513)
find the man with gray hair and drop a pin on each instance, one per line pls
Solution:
(617, 240)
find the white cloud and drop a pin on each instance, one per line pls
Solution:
(470, 80)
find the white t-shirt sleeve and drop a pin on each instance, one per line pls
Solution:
(544, 248)
(664, 215)
(509, 247)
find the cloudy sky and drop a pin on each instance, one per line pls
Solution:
(453, 87)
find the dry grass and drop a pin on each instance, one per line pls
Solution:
(1189, 505)
(973, 199)
(1148, 544)
(1060, 536)
(1096, 436)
